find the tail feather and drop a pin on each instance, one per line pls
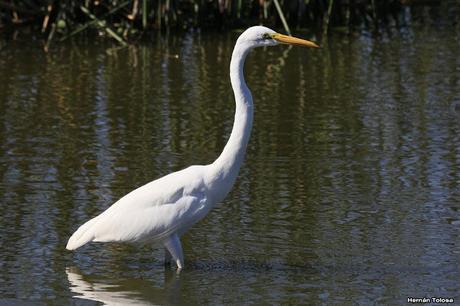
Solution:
(83, 235)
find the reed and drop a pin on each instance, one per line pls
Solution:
(126, 21)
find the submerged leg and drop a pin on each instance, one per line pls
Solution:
(172, 244)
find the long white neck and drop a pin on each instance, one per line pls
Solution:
(228, 164)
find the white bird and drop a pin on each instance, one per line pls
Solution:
(162, 210)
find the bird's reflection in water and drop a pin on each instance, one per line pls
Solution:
(123, 292)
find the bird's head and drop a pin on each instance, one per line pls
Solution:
(259, 36)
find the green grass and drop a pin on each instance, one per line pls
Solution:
(126, 21)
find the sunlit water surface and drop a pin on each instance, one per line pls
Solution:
(350, 192)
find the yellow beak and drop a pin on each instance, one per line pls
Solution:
(293, 40)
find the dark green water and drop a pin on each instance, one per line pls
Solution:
(350, 192)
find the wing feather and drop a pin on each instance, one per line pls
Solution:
(151, 223)
(151, 212)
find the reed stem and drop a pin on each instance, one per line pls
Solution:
(103, 25)
(283, 19)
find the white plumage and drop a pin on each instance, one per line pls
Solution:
(162, 210)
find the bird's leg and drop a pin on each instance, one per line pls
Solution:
(172, 244)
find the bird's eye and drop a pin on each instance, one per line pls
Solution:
(266, 36)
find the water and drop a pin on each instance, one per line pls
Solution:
(350, 192)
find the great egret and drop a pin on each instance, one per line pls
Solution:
(162, 210)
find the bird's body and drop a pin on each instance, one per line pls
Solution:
(162, 210)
